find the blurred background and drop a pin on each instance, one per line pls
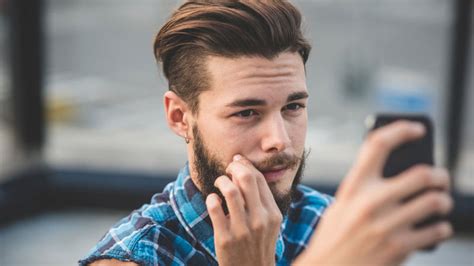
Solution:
(83, 140)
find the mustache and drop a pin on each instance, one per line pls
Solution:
(281, 160)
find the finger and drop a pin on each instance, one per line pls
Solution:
(266, 196)
(216, 213)
(382, 141)
(233, 197)
(246, 181)
(418, 209)
(411, 181)
(376, 149)
(426, 236)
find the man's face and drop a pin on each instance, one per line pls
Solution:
(256, 108)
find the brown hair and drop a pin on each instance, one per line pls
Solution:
(226, 28)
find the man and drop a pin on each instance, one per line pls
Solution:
(237, 95)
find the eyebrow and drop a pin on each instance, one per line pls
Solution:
(258, 102)
(297, 96)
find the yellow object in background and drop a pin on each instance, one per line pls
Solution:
(60, 110)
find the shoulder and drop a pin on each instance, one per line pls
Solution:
(140, 237)
(306, 210)
(307, 207)
(308, 197)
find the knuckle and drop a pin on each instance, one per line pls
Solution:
(446, 182)
(242, 235)
(244, 177)
(443, 177)
(442, 173)
(396, 248)
(257, 226)
(278, 217)
(449, 203)
(377, 140)
(212, 208)
(446, 203)
(219, 180)
(380, 232)
(225, 241)
(275, 219)
(231, 192)
(428, 177)
(442, 231)
(436, 200)
(366, 211)
(438, 232)
(424, 175)
(424, 168)
(240, 173)
(231, 166)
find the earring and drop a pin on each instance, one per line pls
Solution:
(186, 138)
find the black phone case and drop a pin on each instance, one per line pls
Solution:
(415, 152)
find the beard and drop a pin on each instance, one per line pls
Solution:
(209, 168)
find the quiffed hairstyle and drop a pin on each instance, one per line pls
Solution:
(227, 28)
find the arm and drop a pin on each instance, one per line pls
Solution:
(371, 221)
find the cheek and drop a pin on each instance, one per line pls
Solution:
(297, 134)
(223, 140)
(238, 141)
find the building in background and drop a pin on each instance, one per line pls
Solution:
(102, 96)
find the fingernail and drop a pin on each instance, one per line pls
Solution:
(440, 172)
(419, 128)
(237, 157)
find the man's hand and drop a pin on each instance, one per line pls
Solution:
(371, 223)
(248, 234)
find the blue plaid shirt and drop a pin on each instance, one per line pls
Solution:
(175, 228)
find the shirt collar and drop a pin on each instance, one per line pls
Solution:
(190, 208)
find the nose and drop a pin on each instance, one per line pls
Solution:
(275, 136)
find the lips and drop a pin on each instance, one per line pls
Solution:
(274, 174)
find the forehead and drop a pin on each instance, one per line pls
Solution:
(254, 76)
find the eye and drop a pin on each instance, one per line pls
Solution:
(246, 113)
(294, 106)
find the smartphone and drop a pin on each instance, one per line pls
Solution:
(419, 151)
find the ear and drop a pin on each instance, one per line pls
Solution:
(178, 114)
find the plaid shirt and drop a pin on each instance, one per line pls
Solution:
(175, 228)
